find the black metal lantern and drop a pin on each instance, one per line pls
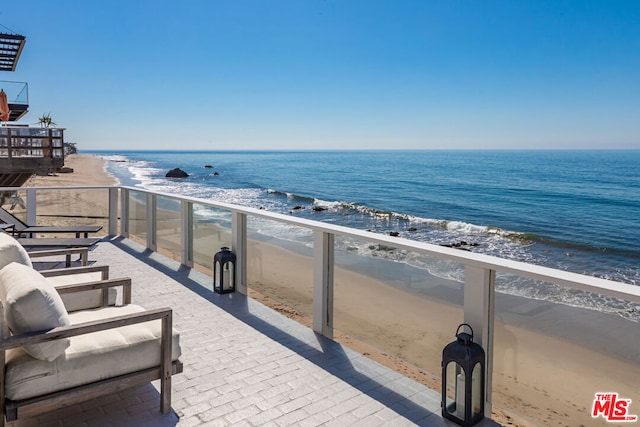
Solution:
(224, 271)
(463, 383)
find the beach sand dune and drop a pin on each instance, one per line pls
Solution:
(549, 360)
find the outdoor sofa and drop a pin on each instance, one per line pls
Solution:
(55, 357)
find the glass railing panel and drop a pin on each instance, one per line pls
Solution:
(138, 216)
(17, 92)
(168, 227)
(556, 347)
(60, 207)
(73, 207)
(401, 303)
(280, 266)
(211, 231)
(15, 202)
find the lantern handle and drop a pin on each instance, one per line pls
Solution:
(467, 325)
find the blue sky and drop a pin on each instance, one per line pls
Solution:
(333, 74)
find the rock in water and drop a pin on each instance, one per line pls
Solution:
(176, 173)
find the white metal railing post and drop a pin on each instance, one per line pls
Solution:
(479, 298)
(323, 257)
(152, 217)
(32, 207)
(186, 223)
(124, 212)
(239, 247)
(113, 211)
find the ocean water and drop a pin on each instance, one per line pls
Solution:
(572, 210)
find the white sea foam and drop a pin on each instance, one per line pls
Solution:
(466, 228)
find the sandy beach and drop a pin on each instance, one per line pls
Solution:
(73, 207)
(549, 359)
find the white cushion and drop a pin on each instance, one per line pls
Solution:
(82, 300)
(31, 304)
(12, 251)
(91, 357)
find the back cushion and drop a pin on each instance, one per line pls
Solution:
(12, 251)
(32, 304)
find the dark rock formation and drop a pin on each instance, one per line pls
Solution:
(319, 208)
(176, 173)
(460, 245)
(394, 233)
(208, 166)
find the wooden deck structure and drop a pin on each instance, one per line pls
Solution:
(27, 150)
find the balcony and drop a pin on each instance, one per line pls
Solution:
(246, 363)
(11, 46)
(17, 98)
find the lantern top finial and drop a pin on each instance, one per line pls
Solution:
(463, 336)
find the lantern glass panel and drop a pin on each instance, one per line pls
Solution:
(476, 390)
(217, 268)
(227, 276)
(455, 390)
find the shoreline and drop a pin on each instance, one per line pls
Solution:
(523, 326)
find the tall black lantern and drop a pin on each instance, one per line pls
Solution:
(463, 372)
(224, 271)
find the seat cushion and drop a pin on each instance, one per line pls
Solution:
(12, 251)
(91, 357)
(32, 304)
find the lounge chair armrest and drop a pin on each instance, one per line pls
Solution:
(53, 252)
(102, 285)
(104, 269)
(165, 314)
(83, 252)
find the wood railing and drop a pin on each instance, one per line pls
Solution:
(26, 150)
(21, 142)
